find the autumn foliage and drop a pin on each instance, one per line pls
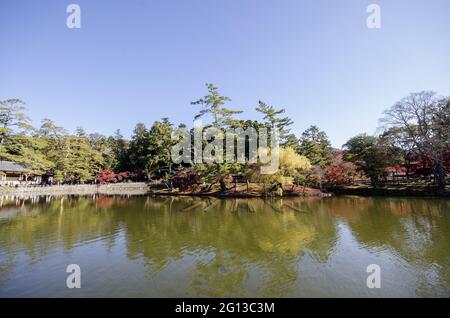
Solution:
(186, 179)
(108, 176)
(340, 173)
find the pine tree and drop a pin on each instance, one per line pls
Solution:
(274, 121)
(213, 104)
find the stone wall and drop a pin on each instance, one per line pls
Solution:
(135, 188)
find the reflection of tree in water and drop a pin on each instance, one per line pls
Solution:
(48, 224)
(416, 229)
(240, 233)
(236, 244)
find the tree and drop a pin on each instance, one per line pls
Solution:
(55, 145)
(271, 116)
(12, 115)
(149, 150)
(339, 173)
(216, 173)
(292, 142)
(291, 165)
(213, 104)
(315, 145)
(365, 152)
(78, 161)
(120, 152)
(26, 150)
(160, 145)
(80, 132)
(399, 148)
(424, 118)
(291, 162)
(105, 146)
(139, 149)
(21, 146)
(48, 129)
(74, 158)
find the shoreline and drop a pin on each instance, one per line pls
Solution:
(142, 188)
(135, 188)
(389, 192)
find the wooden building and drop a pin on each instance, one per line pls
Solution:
(16, 174)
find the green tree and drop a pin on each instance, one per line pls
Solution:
(12, 115)
(75, 158)
(366, 153)
(79, 162)
(274, 121)
(27, 150)
(139, 149)
(292, 142)
(120, 152)
(213, 104)
(55, 145)
(160, 144)
(105, 146)
(48, 129)
(315, 145)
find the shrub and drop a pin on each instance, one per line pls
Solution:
(107, 176)
(186, 180)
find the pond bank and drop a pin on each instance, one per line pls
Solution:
(242, 190)
(142, 188)
(135, 188)
(390, 191)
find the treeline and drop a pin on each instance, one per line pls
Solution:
(415, 138)
(416, 128)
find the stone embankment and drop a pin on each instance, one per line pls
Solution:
(136, 188)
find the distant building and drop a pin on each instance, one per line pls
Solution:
(15, 174)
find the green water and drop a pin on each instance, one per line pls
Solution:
(191, 247)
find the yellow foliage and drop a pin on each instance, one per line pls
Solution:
(290, 160)
(290, 165)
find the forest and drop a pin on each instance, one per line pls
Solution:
(412, 145)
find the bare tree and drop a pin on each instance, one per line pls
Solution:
(423, 117)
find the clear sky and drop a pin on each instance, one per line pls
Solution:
(138, 61)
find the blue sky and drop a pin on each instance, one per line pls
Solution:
(138, 61)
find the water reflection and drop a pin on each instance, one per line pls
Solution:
(185, 246)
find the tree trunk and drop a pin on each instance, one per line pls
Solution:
(223, 186)
(440, 177)
(373, 181)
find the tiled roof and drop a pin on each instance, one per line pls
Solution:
(9, 166)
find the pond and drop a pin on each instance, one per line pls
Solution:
(147, 246)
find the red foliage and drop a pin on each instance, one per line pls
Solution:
(123, 176)
(108, 176)
(423, 166)
(186, 179)
(340, 173)
(395, 169)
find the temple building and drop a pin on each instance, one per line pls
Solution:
(16, 174)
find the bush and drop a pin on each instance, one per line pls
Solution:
(107, 176)
(186, 180)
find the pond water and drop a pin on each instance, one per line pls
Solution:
(192, 247)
